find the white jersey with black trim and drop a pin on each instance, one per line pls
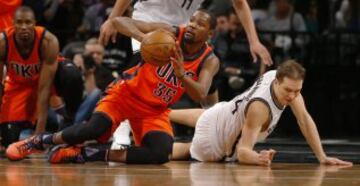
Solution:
(231, 115)
(173, 12)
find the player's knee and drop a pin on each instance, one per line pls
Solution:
(160, 145)
(160, 157)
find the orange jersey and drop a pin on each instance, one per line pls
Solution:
(145, 93)
(158, 86)
(20, 92)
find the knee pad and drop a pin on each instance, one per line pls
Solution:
(98, 124)
(160, 145)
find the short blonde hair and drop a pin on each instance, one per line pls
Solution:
(290, 69)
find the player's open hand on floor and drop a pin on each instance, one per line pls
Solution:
(335, 161)
(266, 157)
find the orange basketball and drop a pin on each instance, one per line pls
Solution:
(156, 47)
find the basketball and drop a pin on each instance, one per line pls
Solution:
(156, 47)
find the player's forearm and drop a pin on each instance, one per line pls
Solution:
(210, 100)
(42, 105)
(310, 132)
(244, 13)
(194, 89)
(248, 156)
(119, 8)
(127, 27)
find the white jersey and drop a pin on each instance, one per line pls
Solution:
(225, 120)
(173, 12)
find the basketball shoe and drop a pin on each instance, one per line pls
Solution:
(66, 154)
(19, 150)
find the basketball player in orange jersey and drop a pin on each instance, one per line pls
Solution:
(142, 98)
(30, 55)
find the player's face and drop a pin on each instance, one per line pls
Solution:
(198, 30)
(287, 90)
(96, 51)
(24, 23)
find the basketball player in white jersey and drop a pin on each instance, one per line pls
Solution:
(229, 130)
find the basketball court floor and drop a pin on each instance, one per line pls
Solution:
(37, 172)
(294, 165)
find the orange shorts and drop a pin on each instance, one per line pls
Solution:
(19, 103)
(120, 105)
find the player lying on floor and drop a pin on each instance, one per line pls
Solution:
(229, 130)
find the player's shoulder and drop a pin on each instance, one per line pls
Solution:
(258, 108)
(49, 36)
(270, 73)
(49, 40)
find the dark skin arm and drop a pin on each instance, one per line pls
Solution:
(137, 29)
(197, 90)
(2, 62)
(50, 50)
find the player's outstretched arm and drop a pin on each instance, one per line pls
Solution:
(2, 63)
(257, 116)
(257, 49)
(107, 30)
(137, 29)
(50, 50)
(310, 132)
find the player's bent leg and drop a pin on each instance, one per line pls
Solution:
(98, 125)
(156, 149)
(186, 117)
(181, 151)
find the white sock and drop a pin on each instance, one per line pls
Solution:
(122, 133)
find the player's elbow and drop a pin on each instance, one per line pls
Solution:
(201, 96)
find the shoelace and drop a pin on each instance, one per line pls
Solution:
(28, 145)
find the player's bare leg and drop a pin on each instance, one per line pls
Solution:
(181, 151)
(186, 117)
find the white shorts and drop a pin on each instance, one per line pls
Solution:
(204, 144)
